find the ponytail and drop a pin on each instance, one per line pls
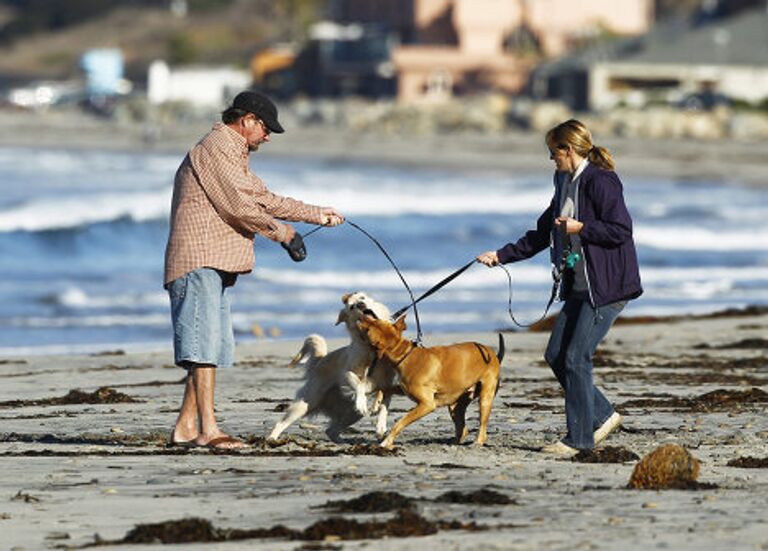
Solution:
(601, 157)
(575, 134)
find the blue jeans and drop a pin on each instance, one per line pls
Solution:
(202, 324)
(578, 330)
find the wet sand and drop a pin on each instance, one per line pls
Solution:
(89, 466)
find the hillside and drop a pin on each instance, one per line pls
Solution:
(228, 35)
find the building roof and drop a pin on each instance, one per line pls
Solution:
(738, 40)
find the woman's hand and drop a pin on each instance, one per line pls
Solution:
(571, 224)
(489, 258)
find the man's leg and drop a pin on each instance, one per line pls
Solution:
(203, 340)
(187, 424)
(210, 434)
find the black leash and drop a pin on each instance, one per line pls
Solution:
(445, 281)
(397, 270)
(442, 283)
(410, 293)
(509, 303)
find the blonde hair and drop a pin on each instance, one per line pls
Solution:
(575, 134)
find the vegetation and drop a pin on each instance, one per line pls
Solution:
(35, 16)
(44, 38)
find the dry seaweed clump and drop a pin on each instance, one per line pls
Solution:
(667, 467)
(608, 454)
(372, 502)
(404, 524)
(749, 462)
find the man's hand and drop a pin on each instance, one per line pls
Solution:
(295, 247)
(331, 217)
(489, 258)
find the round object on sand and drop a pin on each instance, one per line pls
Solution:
(668, 466)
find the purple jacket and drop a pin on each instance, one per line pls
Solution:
(606, 238)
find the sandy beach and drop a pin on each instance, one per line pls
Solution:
(75, 474)
(84, 445)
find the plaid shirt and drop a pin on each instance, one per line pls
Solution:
(219, 204)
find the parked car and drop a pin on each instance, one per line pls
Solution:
(703, 101)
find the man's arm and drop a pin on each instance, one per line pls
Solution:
(244, 206)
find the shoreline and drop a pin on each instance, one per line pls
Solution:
(541, 326)
(719, 161)
(699, 383)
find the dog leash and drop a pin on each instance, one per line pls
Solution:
(439, 285)
(443, 282)
(551, 300)
(397, 270)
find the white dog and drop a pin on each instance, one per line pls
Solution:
(328, 375)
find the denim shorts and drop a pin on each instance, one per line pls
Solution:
(202, 323)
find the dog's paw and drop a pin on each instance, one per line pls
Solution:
(381, 430)
(334, 436)
(387, 444)
(361, 405)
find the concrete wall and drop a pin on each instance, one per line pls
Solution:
(738, 82)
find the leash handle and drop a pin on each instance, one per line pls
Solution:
(509, 303)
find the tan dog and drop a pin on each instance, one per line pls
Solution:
(437, 376)
(336, 383)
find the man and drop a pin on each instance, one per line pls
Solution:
(218, 206)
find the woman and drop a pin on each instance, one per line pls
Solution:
(589, 232)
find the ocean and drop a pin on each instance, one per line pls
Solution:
(82, 238)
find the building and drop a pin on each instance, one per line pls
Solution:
(461, 46)
(726, 57)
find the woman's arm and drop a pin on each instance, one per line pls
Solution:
(533, 242)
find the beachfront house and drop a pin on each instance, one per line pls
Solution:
(688, 64)
(452, 47)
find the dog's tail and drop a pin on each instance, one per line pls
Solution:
(500, 356)
(314, 347)
(500, 353)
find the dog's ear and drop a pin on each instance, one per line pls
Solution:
(345, 297)
(342, 316)
(400, 324)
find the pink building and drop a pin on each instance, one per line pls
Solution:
(459, 46)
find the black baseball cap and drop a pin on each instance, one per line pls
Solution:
(261, 106)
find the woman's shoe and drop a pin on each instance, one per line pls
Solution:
(608, 427)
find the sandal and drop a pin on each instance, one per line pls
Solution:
(226, 443)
